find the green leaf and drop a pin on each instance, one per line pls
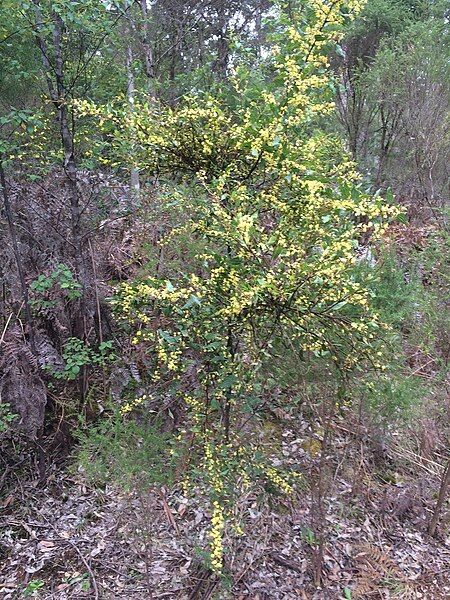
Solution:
(192, 301)
(340, 51)
(165, 335)
(228, 382)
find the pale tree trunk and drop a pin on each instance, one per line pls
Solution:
(223, 43)
(134, 174)
(147, 50)
(258, 27)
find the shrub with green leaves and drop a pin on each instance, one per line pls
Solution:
(60, 278)
(78, 354)
(276, 211)
(393, 398)
(6, 417)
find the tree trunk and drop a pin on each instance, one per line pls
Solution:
(15, 245)
(134, 173)
(445, 483)
(223, 47)
(70, 167)
(148, 52)
(54, 74)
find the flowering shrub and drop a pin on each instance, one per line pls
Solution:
(280, 213)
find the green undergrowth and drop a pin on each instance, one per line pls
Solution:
(407, 292)
(124, 451)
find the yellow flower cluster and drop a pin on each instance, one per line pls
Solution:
(216, 535)
(213, 466)
(132, 404)
(197, 408)
(277, 479)
(169, 357)
(213, 471)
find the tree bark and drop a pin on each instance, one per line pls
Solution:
(56, 86)
(134, 173)
(445, 483)
(15, 245)
(148, 52)
(223, 49)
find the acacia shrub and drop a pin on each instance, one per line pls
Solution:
(277, 212)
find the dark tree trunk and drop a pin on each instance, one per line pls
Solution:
(55, 81)
(445, 484)
(18, 259)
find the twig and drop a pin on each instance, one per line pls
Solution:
(406, 455)
(7, 324)
(83, 560)
(168, 512)
(415, 462)
(90, 571)
(443, 490)
(287, 563)
(97, 300)
(8, 470)
(203, 579)
(17, 256)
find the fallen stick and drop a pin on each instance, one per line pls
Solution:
(286, 562)
(88, 567)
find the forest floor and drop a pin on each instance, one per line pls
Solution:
(66, 540)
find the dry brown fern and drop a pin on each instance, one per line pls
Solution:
(20, 383)
(375, 569)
